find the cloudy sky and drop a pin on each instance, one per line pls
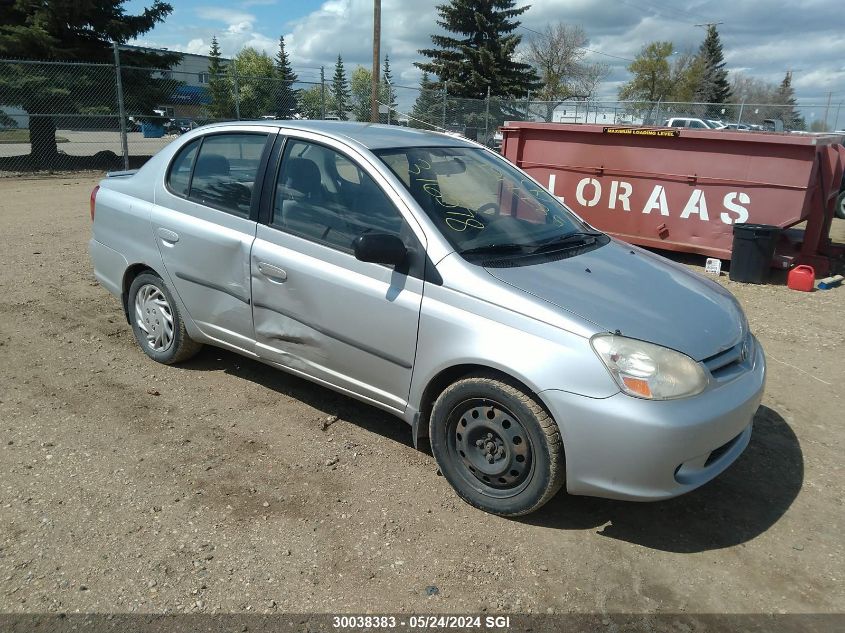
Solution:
(762, 38)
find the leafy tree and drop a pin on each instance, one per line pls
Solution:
(785, 96)
(311, 102)
(360, 87)
(340, 91)
(388, 93)
(425, 111)
(557, 54)
(220, 93)
(714, 86)
(481, 53)
(286, 96)
(252, 72)
(687, 73)
(64, 30)
(652, 80)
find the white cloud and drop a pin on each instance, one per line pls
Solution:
(759, 37)
(221, 14)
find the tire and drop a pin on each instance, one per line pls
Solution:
(482, 418)
(157, 323)
(840, 205)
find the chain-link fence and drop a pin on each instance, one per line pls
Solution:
(70, 116)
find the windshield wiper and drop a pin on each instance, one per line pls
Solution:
(494, 249)
(576, 238)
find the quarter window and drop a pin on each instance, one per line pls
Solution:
(179, 179)
(225, 171)
(325, 197)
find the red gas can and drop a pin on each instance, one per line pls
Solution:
(801, 278)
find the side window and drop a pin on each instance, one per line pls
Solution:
(325, 197)
(226, 169)
(678, 123)
(180, 169)
(697, 124)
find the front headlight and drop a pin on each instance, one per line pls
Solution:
(649, 371)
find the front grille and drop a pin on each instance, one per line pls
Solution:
(729, 363)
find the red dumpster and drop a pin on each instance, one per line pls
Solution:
(683, 190)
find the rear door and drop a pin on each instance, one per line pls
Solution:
(204, 222)
(317, 309)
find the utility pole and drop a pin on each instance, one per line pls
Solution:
(374, 86)
(827, 110)
(707, 25)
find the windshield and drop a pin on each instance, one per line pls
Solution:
(480, 202)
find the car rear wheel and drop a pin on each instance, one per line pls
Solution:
(496, 445)
(157, 323)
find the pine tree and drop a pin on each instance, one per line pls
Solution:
(714, 86)
(219, 90)
(287, 98)
(481, 54)
(388, 95)
(66, 30)
(424, 112)
(785, 96)
(340, 91)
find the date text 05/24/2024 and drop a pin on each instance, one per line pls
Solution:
(421, 621)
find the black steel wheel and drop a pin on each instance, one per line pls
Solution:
(496, 445)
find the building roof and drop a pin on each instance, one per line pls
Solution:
(167, 50)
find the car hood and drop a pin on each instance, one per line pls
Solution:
(644, 296)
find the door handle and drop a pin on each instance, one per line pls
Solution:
(272, 272)
(167, 235)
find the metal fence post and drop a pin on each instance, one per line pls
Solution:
(121, 110)
(487, 116)
(739, 118)
(322, 92)
(443, 124)
(237, 96)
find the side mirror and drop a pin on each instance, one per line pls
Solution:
(380, 248)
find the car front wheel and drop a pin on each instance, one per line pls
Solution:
(156, 321)
(496, 445)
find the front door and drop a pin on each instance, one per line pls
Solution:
(318, 310)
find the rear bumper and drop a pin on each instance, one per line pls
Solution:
(628, 448)
(109, 266)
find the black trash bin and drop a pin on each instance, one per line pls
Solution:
(753, 249)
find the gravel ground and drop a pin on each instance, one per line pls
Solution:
(224, 486)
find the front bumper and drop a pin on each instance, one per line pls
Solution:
(644, 450)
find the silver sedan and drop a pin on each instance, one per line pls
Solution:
(426, 275)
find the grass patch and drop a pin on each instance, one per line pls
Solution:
(21, 136)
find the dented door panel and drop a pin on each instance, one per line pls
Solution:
(348, 323)
(208, 265)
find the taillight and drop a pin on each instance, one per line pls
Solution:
(94, 200)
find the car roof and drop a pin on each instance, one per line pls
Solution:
(371, 135)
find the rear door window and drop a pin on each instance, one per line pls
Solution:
(226, 170)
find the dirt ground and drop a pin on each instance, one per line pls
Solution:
(225, 486)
